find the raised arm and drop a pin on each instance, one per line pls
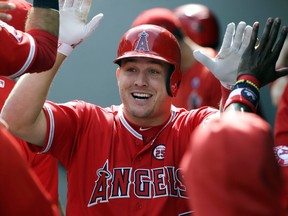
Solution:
(25, 118)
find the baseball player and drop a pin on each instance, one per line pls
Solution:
(199, 87)
(21, 191)
(230, 169)
(125, 160)
(199, 23)
(35, 49)
(45, 166)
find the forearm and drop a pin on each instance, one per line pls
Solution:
(23, 108)
(44, 16)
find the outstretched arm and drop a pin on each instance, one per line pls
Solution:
(23, 108)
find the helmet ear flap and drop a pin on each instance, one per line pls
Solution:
(175, 80)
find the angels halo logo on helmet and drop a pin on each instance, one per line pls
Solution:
(151, 41)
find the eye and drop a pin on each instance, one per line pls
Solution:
(131, 69)
(154, 72)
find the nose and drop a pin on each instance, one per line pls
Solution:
(141, 79)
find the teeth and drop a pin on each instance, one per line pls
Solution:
(141, 95)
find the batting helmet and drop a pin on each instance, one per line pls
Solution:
(163, 17)
(19, 14)
(199, 23)
(154, 42)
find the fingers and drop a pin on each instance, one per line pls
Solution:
(281, 72)
(203, 59)
(228, 36)
(239, 36)
(85, 9)
(266, 34)
(61, 3)
(254, 38)
(68, 4)
(273, 35)
(7, 6)
(280, 43)
(246, 39)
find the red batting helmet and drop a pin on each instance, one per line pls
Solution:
(199, 23)
(19, 14)
(151, 41)
(158, 16)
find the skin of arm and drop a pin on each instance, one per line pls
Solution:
(32, 124)
(43, 19)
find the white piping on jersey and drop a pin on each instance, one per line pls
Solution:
(51, 131)
(29, 58)
(126, 124)
(134, 132)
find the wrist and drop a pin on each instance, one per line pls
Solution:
(244, 92)
(250, 78)
(64, 49)
(53, 4)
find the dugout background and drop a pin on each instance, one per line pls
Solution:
(89, 72)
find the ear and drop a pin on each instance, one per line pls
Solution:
(118, 72)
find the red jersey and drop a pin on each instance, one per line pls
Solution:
(199, 87)
(45, 165)
(110, 171)
(21, 191)
(281, 137)
(281, 119)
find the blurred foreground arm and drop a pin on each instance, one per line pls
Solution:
(25, 118)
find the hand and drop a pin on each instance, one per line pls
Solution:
(6, 6)
(260, 61)
(224, 66)
(73, 27)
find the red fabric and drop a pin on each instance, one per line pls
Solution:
(281, 138)
(198, 87)
(281, 120)
(21, 191)
(46, 52)
(101, 155)
(158, 16)
(230, 168)
(19, 15)
(45, 166)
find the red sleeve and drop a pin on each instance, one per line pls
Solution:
(46, 50)
(21, 192)
(17, 53)
(20, 52)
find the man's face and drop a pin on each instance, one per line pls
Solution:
(143, 91)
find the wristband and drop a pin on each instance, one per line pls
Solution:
(244, 92)
(250, 78)
(64, 48)
(53, 4)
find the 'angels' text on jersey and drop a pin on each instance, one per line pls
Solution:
(144, 183)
